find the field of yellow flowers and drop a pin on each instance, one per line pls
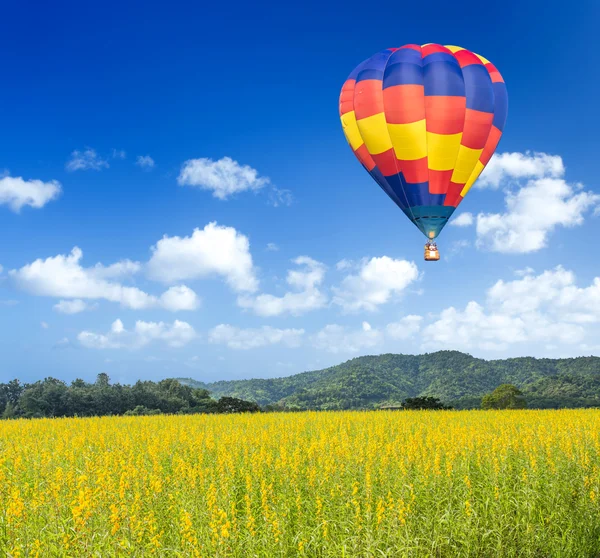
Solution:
(339, 484)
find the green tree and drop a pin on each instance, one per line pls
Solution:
(234, 405)
(430, 403)
(505, 396)
(47, 398)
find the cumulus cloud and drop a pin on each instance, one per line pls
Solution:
(87, 159)
(179, 298)
(525, 271)
(340, 339)
(538, 200)
(64, 277)
(214, 250)
(306, 294)
(74, 306)
(223, 178)
(532, 213)
(176, 334)
(507, 166)
(405, 328)
(463, 220)
(145, 162)
(548, 308)
(377, 281)
(243, 339)
(16, 193)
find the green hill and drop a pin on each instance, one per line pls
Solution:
(456, 378)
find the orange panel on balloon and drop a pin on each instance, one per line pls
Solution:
(439, 180)
(466, 58)
(490, 146)
(494, 73)
(477, 128)
(368, 99)
(430, 49)
(415, 172)
(404, 104)
(347, 97)
(387, 163)
(445, 114)
(363, 155)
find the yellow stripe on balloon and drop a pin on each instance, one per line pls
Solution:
(351, 131)
(465, 163)
(453, 48)
(484, 60)
(374, 132)
(409, 140)
(442, 150)
(479, 166)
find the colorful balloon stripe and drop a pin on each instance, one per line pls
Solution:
(424, 121)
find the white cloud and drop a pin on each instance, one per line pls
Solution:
(305, 297)
(378, 280)
(224, 177)
(176, 334)
(463, 220)
(118, 153)
(280, 196)
(546, 308)
(214, 250)
(241, 339)
(525, 271)
(532, 213)
(86, 160)
(73, 306)
(456, 248)
(145, 162)
(64, 277)
(506, 166)
(179, 298)
(343, 265)
(533, 208)
(15, 192)
(404, 328)
(339, 339)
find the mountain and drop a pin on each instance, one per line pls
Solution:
(456, 378)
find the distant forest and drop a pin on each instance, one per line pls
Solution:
(458, 379)
(54, 398)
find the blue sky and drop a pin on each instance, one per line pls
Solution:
(242, 100)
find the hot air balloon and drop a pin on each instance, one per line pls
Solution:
(424, 121)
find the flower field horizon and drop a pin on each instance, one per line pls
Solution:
(315, 484)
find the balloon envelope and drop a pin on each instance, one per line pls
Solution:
(424, 121)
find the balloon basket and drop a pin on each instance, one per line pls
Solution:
(432, 254)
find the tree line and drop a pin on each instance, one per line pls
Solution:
(54, 398)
